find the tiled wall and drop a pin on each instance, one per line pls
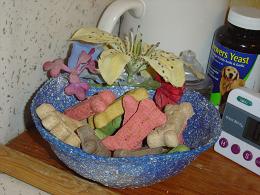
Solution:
(31, 32)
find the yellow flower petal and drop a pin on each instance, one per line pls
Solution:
(111, 65)
(170, 69)
(94, 35)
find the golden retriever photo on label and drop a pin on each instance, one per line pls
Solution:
(230, 80)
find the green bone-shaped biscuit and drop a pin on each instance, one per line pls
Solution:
(109, 129)
(179, 148)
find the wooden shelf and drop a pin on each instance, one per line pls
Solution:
(210, 173)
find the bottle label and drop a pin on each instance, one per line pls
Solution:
(228, 69)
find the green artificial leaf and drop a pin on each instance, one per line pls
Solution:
(149, 84)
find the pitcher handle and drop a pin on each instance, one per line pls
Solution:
(116, 9)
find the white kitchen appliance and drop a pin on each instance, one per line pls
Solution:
(240, 138)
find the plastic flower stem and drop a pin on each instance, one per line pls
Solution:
(138, 69)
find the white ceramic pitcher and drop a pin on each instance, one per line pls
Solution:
(177, 24)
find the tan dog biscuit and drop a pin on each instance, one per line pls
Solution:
(91, 143)
(170, 134)
(59, 125)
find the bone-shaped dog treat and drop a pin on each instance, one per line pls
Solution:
(44, 110)
(73, 140)
(130, 106)
(95, 104)
(116, 108)
(109, 129)
(91, 122)
(59, 125)
(61, 131)
(140, 152)
(130, 135)
(90, 142)
(179, 148)
(48, 112)
(171, 133)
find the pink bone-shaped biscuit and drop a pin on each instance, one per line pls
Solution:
(95, 104)
(129, 137)
(130, 106)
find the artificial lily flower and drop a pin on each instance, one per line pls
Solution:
(131, 55)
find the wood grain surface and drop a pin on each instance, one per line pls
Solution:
(44, 176)
(210, 173)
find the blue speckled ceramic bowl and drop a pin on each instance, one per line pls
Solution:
(202, 132)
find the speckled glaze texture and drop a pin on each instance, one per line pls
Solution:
(32, 32)
(201, 133)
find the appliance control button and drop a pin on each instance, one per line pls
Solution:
(235, 149)
(257, 161)
(247, 155)
(223, 142)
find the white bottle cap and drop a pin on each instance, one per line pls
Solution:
(245, 17)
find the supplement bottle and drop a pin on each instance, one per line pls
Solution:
(234, 59)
